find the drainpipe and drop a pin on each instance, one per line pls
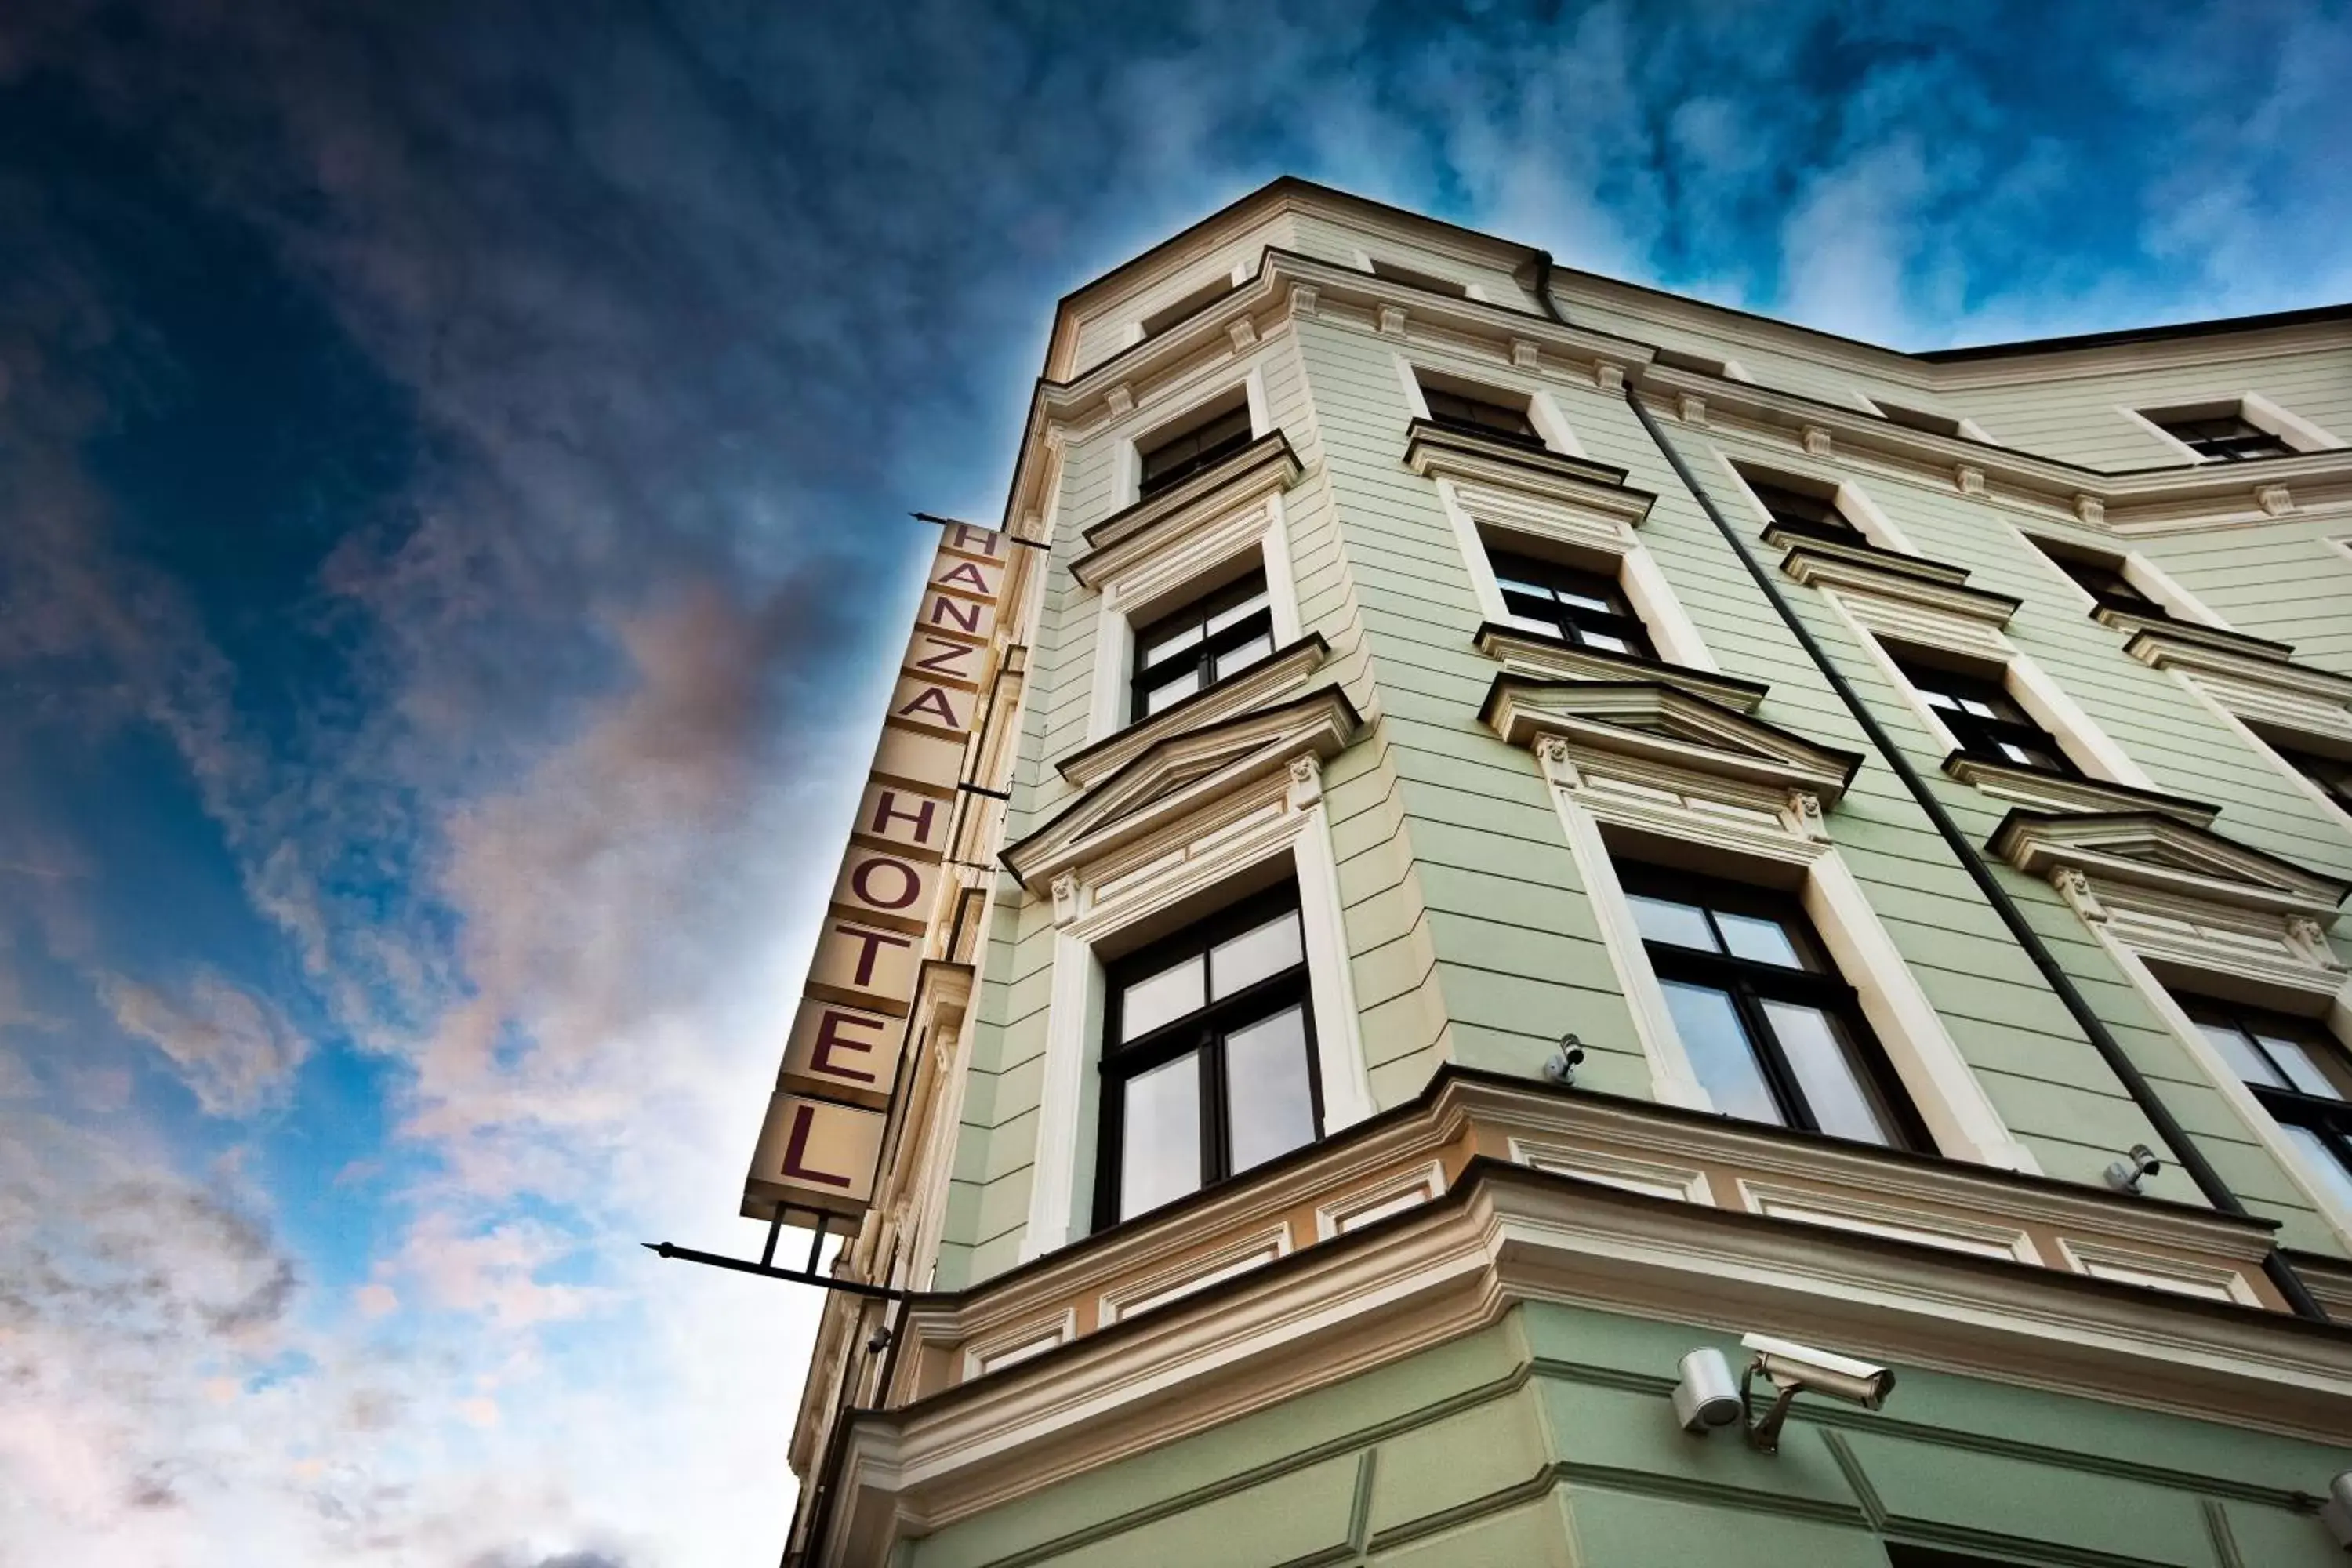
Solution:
(2159, 1115)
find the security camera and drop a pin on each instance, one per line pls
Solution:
(2140, 1165)
(1565, 1058)
(1705, 1397)
(878, 1341)
(1793, 1369)
(2336, 1511)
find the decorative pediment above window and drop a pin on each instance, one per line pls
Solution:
(1222, 767)
(1172, 519)
(2150, 850)
(2040, 791)
(1280, 673)
(2251, 677)
(1524, 652)
(1890, 577)
(1652, 724)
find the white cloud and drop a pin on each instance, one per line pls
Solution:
(235, 1050)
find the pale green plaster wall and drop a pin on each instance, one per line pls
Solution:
(1469, 934)
(1548, 1440)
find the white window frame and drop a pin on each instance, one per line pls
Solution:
(1148, 419)
(1852, 501)
(2043, 699)
(1671, 629)
(2100, 903)
(2300, 433)
(2138, 571)
(1090, 910)
(1944, 1089)
(1205, 556)
(1543, 412)
(1471, 291)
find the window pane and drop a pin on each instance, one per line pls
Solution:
(1269, 1104)
(1252, 956)
(1677, 925)
(1603, 640)
(1166, 996)
(1235, 660)
(1720, 1053)
(1175, 690)
(1511, 584)
(1766, 942)
(1159, 1159)
(2293, 1058)
(1240, 612)
(1173, 642)
(1587, 602)
(1834, 1087)
(1935, 699)
(2320, 1161)
(2240, 1053)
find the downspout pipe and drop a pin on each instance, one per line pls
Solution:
(2159, 1115)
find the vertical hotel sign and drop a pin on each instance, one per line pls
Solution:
(823, 1137)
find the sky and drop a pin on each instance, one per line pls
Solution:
(453, 461)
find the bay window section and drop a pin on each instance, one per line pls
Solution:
(1208, 1057)
(1218, 634)
(1772, 1031)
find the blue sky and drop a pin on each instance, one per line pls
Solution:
(453, 471)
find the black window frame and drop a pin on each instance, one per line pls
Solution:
(1205, 1031)
(1572, 623)
(1199, 656)
(1980, 736)
(1750, 983)
(2331, 776)
(2229, 437)
(2329, 1120)
(1450, 408)
(1207, 442)
(1794, 510)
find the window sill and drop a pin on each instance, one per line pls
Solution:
(1525, 652)
(1283, 672)
(2039, 791)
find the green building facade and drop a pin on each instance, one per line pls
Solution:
(1550, 826)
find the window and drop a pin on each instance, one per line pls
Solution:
(2103, 578)
(1800, 511)
(1582, 608)
(1459, 410)
(1181, 457)
(2332, 774)
(1412, 279)
(1772, 1031)
(2229, 437)
(1199, 299)
(1916, 418)
(1219, 635)
(2298, 1071)
(1208, 1057)
(1986, 721)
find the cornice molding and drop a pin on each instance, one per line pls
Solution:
(2148, 849)
(2198, 651)
(1438, 451)
(2039, 791)
(1885, 575)
(1169, 778)
(1524, 652)
(1267, 465)
(1282, 670)
(1654, 722)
